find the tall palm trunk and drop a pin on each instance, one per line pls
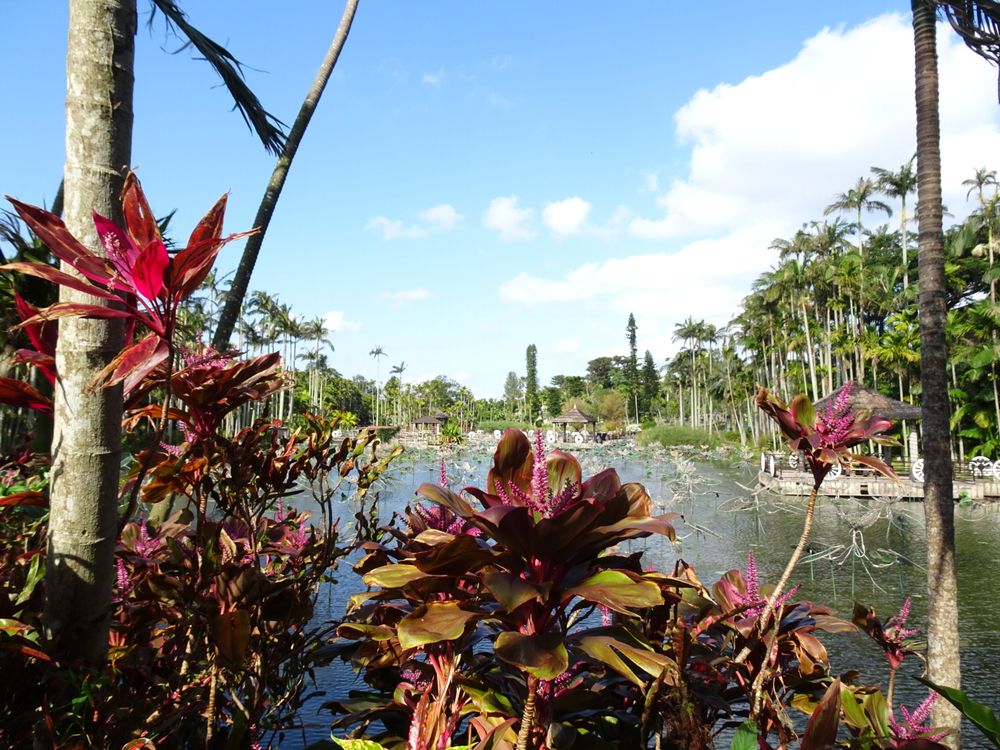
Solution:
(241, 280)
(87, 425)
(942, 584)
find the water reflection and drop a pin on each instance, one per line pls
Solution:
(870, 551)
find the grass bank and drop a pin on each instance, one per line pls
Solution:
(670, 436)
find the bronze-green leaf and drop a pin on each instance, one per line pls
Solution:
(542, 655)
(617, 590)
(438, 621)
(393, 576)
(509, 590)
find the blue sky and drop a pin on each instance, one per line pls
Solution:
(484, 176)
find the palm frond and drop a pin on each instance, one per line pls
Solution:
(978, 23)
(269, 128)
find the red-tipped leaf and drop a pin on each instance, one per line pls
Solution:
(50, 229)
(50, 273)
(16, 393)
(36, 499)
(139, 217)
(148, 271)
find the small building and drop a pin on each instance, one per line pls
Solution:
(573, 416)
(431, 424)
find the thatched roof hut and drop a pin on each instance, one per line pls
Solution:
(574, 416)
(869, 401)
(433, 422)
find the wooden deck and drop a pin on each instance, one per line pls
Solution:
(781, 478)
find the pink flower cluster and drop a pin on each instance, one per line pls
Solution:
(915, 728)
(751, 598)
(541, 499)
(834, 423)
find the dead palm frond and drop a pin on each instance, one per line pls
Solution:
(269, 128)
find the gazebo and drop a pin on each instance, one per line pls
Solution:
(434, 422)
(575, 417)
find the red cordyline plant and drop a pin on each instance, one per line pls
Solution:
(825, 439)
(138, 274)
(211, 638)
(523, 573)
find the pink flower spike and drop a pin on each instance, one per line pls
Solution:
(540, 476)
(443, 474)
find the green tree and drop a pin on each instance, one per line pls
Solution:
(899, 185)
(512, 389)
(632, 368)
(650, 380)
(532, 402)
(552, 397)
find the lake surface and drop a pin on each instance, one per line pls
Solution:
(871, 551)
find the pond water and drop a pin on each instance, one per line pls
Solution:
(871, 551)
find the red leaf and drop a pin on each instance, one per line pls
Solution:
(50, 273)
(821, 730)
(25, 498)
(118, 245)
(191, 265)
(45, 363)
(80, 309)
(133, 363)
(16, 393)
(50, 229)
(147, 274)
(139, 217)
(42, 336)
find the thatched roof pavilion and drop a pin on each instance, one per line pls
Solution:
(869, 401)
(433, 422)
(575, 417)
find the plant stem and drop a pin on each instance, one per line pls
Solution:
(792, 562)
(892, 684)
(527, 717)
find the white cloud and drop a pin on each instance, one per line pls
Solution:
(336, 321)
(513, 222)
(398, 299)
(567, 216)
(570, 344)
(438, 219)
(767, 154)
(780, 146)
(394, 229)
(433, 79)
(706, 279)
(443, 217)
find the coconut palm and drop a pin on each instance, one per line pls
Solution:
(241, 281)
(942, 604)
(859, 199)
(397, 371)
(377, 353)
(899, 185)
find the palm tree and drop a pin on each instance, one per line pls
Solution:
(377, 353)
(859, 199)
(241, 281)
(942, 602)
(83, 493)
(398, 370)
(899, 185)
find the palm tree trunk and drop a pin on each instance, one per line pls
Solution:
(942, 602)
(87, 425)
(241, 280)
